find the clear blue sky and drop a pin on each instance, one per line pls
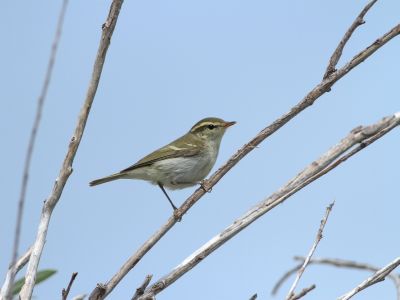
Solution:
(170, 64)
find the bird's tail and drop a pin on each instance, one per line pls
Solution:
(106, 179)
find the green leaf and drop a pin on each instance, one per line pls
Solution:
(40, 276)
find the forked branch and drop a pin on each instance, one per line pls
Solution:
(339, 49)
(140, 290)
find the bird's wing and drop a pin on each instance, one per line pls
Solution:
(178, 148)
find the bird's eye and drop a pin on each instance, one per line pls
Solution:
(211, 126)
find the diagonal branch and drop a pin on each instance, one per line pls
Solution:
(32, 139)
(102, 290)
(361, 136)
(379, 276)
(290, 295)
(66, 168)
(339, 49)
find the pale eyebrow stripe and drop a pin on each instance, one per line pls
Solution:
(205, 124)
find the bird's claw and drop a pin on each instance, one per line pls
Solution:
(205, 185)
(177, 215)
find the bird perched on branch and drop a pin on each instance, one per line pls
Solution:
(183, 163)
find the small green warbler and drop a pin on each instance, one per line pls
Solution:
(183, 163)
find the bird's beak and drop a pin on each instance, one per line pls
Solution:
(229, 124)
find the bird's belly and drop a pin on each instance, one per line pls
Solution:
(181, 172)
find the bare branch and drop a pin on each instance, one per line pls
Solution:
(340, 263)
(377, 277)
(303, 292)
(339, 49)
(65, 292)
(31, 145)
(66, 168)
(336, 155)
(318, 238)
(140, 290)
(13, 270)
(102, 290)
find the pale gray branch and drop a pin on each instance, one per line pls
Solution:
(25, 177)
(379, 276)
(336, 155)
(66, 168)
(13, 270)
(102, 290)
(339, 49)
(290, 295)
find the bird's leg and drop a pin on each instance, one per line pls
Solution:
(205, 186)
(165, 193)
(176, 210)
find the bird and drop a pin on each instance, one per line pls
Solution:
(182, 163)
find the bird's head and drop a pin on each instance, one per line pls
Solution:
(211, 129)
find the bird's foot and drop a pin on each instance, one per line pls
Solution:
(177, 214)
(205, 185)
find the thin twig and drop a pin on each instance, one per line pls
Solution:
(363, 136)
(102, 290)
(140, 290)
(303, 292)
(377, 277)
(66, 168)
(318, 238)
(339, 49)
(65, 292)
(31, 144)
